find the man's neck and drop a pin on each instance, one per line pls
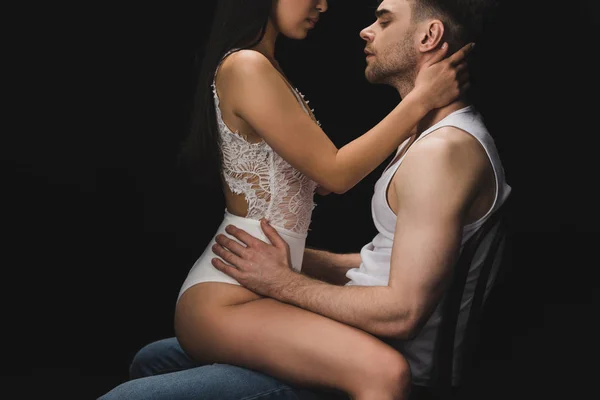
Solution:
(436, 115)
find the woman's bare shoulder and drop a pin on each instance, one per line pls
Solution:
(246, 63)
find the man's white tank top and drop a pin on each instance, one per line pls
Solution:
(376, 255)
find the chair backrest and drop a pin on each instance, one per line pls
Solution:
(443, 364)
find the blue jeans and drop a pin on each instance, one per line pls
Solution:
(163, 371)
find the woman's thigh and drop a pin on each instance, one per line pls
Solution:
(286, 342)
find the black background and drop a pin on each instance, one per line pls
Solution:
(100, 227)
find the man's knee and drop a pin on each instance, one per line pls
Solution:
(141, 365)
(157, 358)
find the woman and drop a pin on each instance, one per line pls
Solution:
(256, 132)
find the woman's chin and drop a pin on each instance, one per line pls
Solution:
(297, 35)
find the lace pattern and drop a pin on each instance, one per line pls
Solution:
(272, 187)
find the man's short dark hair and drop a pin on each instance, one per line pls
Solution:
(463, 19)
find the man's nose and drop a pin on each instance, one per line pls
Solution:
(367, 34)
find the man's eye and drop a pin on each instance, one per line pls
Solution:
(384, 23)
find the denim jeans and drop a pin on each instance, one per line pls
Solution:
(162, 371)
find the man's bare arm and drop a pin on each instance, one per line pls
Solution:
(439, 181)
(327, 266)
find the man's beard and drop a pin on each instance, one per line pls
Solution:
(399, 64)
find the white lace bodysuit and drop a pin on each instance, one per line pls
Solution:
(273, 189)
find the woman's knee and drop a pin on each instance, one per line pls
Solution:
(399, 376)
(387, 376)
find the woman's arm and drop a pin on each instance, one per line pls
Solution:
(259, 95)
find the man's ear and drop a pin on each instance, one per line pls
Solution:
(431, 36)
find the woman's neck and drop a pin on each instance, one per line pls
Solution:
(267, 44)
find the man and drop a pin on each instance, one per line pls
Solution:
(444, 182)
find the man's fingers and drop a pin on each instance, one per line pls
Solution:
(463, 66)
(227, 255)
(230, 245)
(272, 234)
(461, 54)
(227, 269)
(439, 55)
(243, 236)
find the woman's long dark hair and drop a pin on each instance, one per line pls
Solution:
(236, 24)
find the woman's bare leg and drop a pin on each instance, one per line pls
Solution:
(288, 343)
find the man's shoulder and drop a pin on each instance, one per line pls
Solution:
(447, 143)
(447, 151)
